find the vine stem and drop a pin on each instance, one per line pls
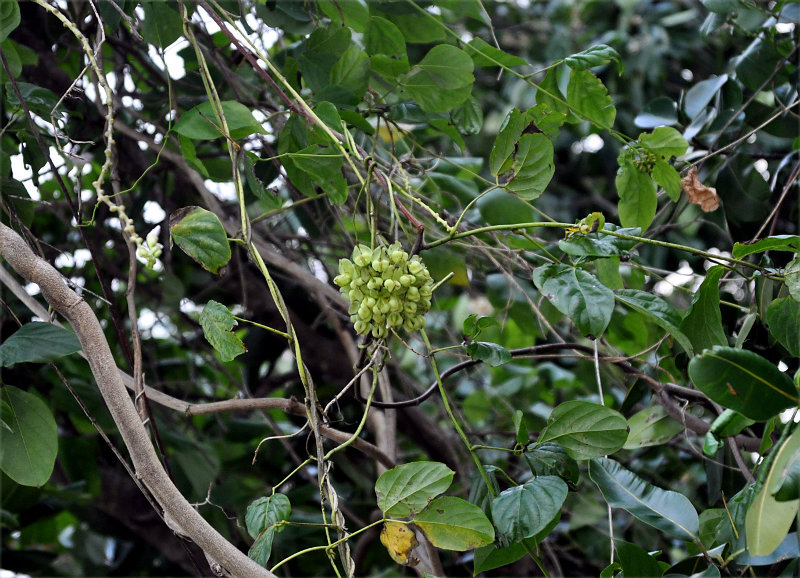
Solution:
(603, 403)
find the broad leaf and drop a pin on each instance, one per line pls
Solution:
(524, 511)
(324, 166)
(783, 317)
(28, 451)
(201, 123)
(491, 557)
(490, 353)
(636, 561)
(201, 236)
(637, 196)
(585, 430)
(743, 381)
(407, 489)
(217, 322)
(9, 18)
(656, 310)
(349, 78)
(352, 13)
(38, 342)
(651, 427)
(505, 143)
(666, 176)
(589, 98)
(730, 423)
(668, 511)
(577, 294)
(442, 80)
(703, 324)
(599, 244)
(787, 486)
(533, 166)
(776, 243)
(594, 56)
(162, 24)
(698, 97)
(484, 54)
(550, 459)
(263, 519)
(768, 520)
(665, 142)
(791, 276)
(455, 524)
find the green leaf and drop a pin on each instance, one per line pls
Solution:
(791, 276)
(703, 323)
(387, 47)
(599, 244)
(594, 56)
(490, 353)
(201, 236)
(698, 97)
(665, 142)
(201, 122)
(661, 111)
(550, 459)
(636, 561)
(783, 317)
(261, 518)
(324, 165)
(9, 18)
(349, 78)
(768, 520)
(668, 511)
(442, 80)
(468, 118)
(40, 100)
(520, 428)
(28, 451)
(162, 24)
(352, 13)
(787, 487)
(743, 381)
(729, 423)
(524, 511)
(217, 322)
(637, 196)
(578, 295)
(407, 489)
(651, 427)
(505, 143)
(549, 94)
(656, 310)
(585, 430)
(533, 166)
(776, 243)
(490, 557)
(589, 98)
(455, 524)
(38, 342)
(666, 176)
(484, 54)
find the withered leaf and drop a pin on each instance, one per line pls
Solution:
(699, 194)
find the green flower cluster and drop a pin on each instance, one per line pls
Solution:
(386, 289)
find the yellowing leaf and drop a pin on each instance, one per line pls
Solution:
(400, 540)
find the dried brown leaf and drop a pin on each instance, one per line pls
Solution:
(700, 194)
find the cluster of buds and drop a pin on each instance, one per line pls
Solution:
(149, 250)
(386, 288)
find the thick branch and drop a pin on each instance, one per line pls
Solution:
(119, 403)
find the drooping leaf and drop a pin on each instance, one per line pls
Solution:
(349, 78)
(550, 459)
(703, 323)
(533, 166)
(407, 489)
(768, 520)
(491, 557)
(442, 80)
(523, 511)
(656, 310)
(666, 510)
(468, 117)
(505, 143)
(162, 24)
(9, 18)
(263, 519)
(38, 342)
(730, 423)
(217, 323)
(594, 56)
(787, 487)
(667, 177)
(490, 353)
(775, 243)
(578, 295)
(455, 524)
(474, 325)
(399, 539)
(698, 97)
(651, 427)
(585, 430)
(387, 48)
(599, 244)
(484, 54)
(325, 167)
(743, 381)
(589, 98)
(28, 451)
(636, 561)
(783, 317)
(201, 123)
(637, 196)
(201, 235)
(352, 13)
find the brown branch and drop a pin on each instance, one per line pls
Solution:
(104, 369)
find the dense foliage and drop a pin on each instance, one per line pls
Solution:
(511, 288)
